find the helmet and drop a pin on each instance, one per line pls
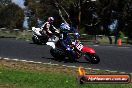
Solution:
(64, 27)
(50, 19)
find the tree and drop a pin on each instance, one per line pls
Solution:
(11, 16)
(25, 3)
(4, 2)
(79, 12)
(64, 9)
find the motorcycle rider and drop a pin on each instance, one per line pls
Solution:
(65, 38)
(48, 28)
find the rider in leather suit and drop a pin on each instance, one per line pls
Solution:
(65, 39)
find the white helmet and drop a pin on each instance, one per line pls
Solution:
(50, 19)
(64, 26)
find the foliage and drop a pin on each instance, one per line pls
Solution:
(11, 16)
(121, 34)
(4, 2)
(80, 13)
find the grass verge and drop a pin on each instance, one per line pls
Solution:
(16, 74)
(26, 35)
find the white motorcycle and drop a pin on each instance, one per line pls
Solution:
(54, 39)
(39, 37)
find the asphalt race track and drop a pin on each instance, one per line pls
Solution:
(113, 58)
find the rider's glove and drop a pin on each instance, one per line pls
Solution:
(68, 49)
(77, 35)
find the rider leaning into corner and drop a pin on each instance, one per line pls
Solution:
(48, 28)
(65, 38)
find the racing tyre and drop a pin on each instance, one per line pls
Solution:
(93, 58)
(35, 40)
(57, 53)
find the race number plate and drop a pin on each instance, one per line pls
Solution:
(79, 46)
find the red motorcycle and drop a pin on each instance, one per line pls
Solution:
(79, 49)
(88, 52)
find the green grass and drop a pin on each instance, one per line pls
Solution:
(26, 35)
(26, 79)
(29, 75)
(7, 34)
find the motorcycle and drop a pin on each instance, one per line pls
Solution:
(58, 52)
(39, 37)
(88, 53)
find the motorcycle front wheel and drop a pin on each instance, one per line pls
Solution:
(93, 58)
(57, 53)
(35, 40)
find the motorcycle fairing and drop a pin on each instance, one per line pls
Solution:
(88, 49)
